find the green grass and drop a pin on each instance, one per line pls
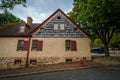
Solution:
(107, 60)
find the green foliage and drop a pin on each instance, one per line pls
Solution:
(8, 18)
(97, 43)
(6, 5)
(115, 42)
(99, 17)
(9, 4)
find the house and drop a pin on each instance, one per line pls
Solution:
(58, 39)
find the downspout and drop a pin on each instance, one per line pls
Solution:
(28, 52)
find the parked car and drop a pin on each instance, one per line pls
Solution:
(97, 50)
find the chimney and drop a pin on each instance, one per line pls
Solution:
(29, 20)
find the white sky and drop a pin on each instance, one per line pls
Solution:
(39, 10)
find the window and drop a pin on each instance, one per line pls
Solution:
(58, 17)
(67, 45)
(20, 45)
(37, 45)
(22, 28)
(23, 45)
(68, 61)
(55, 26)
(59, 26)
(62, 27)
(33, 62)
(34, 45)
(17, 61)
(71, 45)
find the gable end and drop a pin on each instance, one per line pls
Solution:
(48, 28)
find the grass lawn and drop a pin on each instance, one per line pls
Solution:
(107, 60)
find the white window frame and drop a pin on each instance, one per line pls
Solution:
(22, 28)
(56, 27)
(62, 26)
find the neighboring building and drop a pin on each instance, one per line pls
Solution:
(58, 39)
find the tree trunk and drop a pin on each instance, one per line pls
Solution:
(106, 50)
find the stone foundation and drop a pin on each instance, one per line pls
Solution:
(15, 62)
(47, 60)
(77, 59)
(9, 62)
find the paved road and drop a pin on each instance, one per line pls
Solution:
(105, 73)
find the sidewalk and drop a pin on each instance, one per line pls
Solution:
(48, 68)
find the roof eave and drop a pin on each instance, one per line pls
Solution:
(15, 35)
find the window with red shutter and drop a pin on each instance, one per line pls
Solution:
(26, 45)
(40, 45)
(73, 46)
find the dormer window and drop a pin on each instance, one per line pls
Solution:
(22, 28)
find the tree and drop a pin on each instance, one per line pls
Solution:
(8, 18)
(115, 42)
(6, 5)
(101, 17)
(9, 4)
(97, 43)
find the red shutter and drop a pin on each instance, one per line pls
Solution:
(73, 46)
(26, 45)
(40, 45)
(26, 28)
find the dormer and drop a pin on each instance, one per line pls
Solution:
(22, 27)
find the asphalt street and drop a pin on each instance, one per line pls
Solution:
(103, 73)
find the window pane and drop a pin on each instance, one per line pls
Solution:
(17, 61)
(22, 28)
(62, 27)
(55, 26)
(33, 62)
(20, 44)
(67, 44)
(34, 44)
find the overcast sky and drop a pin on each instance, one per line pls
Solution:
(39, 10)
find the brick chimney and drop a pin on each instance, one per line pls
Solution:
(29, 20)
